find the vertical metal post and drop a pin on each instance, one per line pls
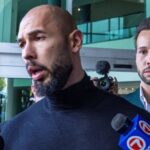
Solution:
(69, 7)
(147, 7)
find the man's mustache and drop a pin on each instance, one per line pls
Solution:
(147, 68)
(36, 64)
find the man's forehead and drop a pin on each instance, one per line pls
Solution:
(43, 16)
(32, 22)
(36, 17)
(41, 12)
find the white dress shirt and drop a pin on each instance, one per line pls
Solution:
(144, 101)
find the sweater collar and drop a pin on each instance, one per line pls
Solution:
(73, 96)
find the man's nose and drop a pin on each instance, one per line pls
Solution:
(28, 52)
(148, 58)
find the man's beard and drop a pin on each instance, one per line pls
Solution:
(59, 78)
(144, 79)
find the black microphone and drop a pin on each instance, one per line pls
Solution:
(102, 67)
(134, 134)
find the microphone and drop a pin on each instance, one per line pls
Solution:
(102, 67)
(134, 134)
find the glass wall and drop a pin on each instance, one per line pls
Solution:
(108, 20)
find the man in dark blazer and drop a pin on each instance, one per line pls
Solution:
(134, 98)
(141, 97)
(74, 115)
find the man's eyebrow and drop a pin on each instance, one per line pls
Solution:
(142, 47)
(33, 32)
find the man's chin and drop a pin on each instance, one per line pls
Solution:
(146, 80)
(45, 82)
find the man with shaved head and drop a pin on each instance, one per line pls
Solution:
(74, 115)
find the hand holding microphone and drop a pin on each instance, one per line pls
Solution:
(135, 134)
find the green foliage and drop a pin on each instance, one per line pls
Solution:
(2, 83)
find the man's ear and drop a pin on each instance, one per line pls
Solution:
(75, 38)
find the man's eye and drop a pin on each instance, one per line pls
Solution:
(21, 44)
(40, 38)
(142, 51)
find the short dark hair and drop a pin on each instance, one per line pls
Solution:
(144, 25)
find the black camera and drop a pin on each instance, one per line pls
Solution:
(104, 83)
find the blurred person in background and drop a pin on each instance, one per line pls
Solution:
(37, 94)
(141, 97)
(113, 88)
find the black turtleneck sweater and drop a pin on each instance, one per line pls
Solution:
(77, 118)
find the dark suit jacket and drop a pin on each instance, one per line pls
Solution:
(134, 98)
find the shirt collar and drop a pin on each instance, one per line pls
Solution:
(143, 100)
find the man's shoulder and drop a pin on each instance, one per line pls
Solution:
(135, 94)
(20, 119)
(134, 98)
(114, 103)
